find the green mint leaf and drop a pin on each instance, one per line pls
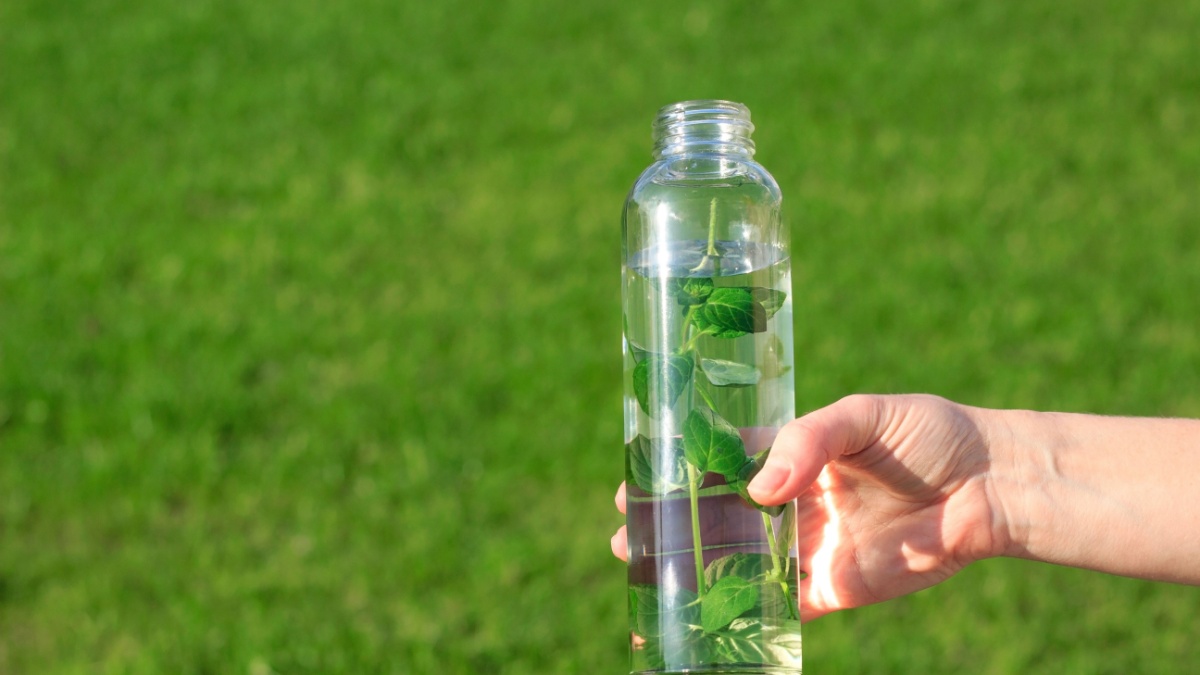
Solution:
(641, 384)
(787, 530)
(637, 351)
(740, 643)
(748, 640)
(730, 312)
(726, 601)
(745, 474)
(771, 361)
(749, 566)
(689, 291)
(729, 373)
(633, 606)
(685, 643)
(655, 465)
(784, 643)
(644, 609)
(773, 601)
(659, 380)
(758, 569)
(651, 611)
(770, 299)
(712, 444)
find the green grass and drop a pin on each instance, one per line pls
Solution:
(309, 323)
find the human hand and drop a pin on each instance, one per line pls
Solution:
(891, 493)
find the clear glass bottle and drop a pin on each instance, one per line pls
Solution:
(708, 384)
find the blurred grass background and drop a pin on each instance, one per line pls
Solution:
(309, 315)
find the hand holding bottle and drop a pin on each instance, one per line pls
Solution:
(897, 493)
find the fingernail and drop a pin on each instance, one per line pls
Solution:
(620, 548)
(770, 479)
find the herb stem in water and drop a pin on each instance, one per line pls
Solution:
(704, 394)
(712, 227)
(693, 494)
(776, 554)
(710, 264)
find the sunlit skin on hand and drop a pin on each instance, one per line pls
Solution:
(890, 513)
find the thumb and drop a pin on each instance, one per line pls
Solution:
(805, 445)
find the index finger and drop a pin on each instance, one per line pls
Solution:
(805, 445)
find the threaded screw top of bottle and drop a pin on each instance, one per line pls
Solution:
(707, 126)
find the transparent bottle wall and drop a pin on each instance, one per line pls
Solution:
(709, 382)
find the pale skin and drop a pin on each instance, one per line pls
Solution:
(897, 493)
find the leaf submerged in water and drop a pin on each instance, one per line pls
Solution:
(657, 465)
(728, 599)
(745, 474)
(729, 373)
(659, 380)
(729, 313)
(712, 444)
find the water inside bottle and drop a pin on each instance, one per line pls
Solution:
(686, 614)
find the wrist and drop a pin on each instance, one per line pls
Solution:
(1018, 467)
(1104, 493)
(1029, 454)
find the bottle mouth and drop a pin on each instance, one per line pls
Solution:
(708, 126)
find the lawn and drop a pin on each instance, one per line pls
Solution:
(309, 312)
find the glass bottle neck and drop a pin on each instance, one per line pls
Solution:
(710, 127)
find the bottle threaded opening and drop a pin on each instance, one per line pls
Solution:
(708, 126)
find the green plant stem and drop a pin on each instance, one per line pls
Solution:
(711, 252)
(773, 543)
(704, 395)
(694, 477)
(775, 564)
(690, 335)
(689, 329)
(694, 496)
(712, 227)
(691, 342)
